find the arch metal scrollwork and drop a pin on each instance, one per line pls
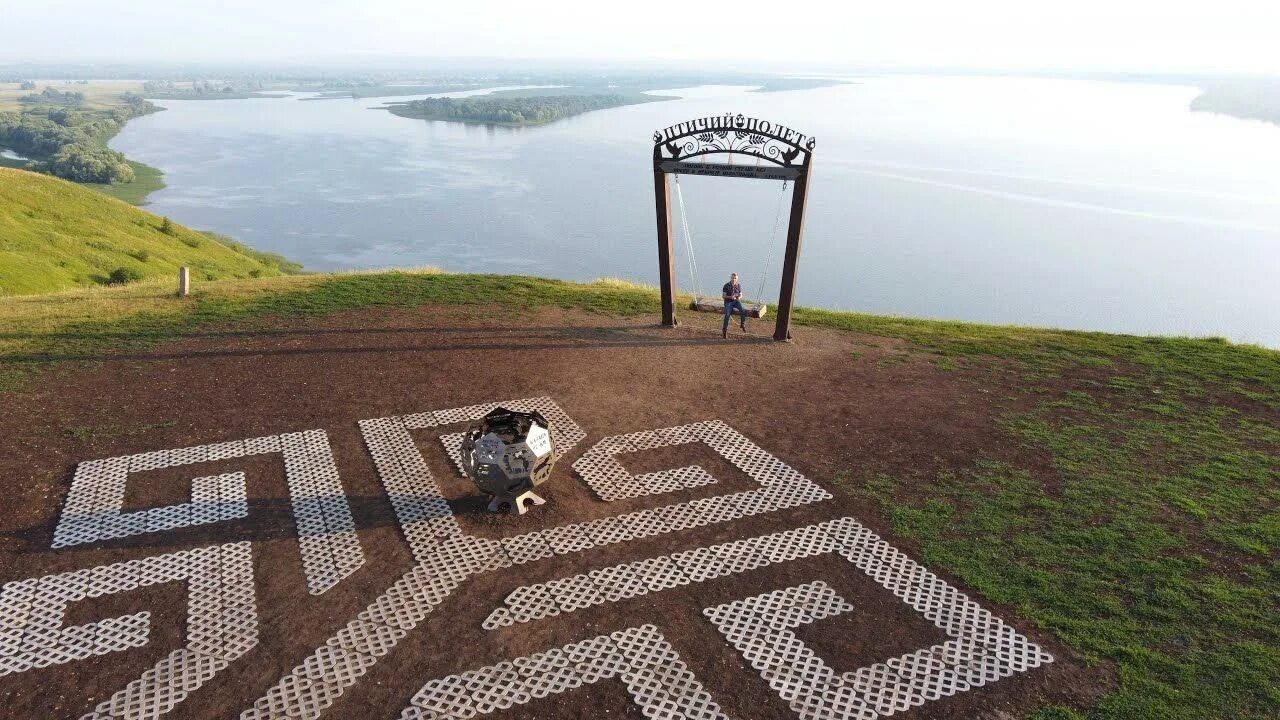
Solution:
(731, 134)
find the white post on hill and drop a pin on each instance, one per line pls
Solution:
(184, 281)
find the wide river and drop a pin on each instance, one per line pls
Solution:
(1089, 205)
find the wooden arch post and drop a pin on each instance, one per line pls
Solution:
(666, 258)
(779, 153)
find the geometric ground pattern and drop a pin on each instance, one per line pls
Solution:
(760, 627)
(222, 617)
(447, 557)
(312, 686)
(648, 575)
(328, 544)
(657, 679)
(600, 469)
(222, 623)
(983, 648)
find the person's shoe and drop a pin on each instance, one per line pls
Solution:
(724, 332)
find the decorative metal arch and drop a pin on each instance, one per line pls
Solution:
(733, 135)
(779, 152)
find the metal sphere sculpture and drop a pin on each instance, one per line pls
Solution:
(506, 454)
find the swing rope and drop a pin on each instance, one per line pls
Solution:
(688, 242)
(773, 240)
(693, 260)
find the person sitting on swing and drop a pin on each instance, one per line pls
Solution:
(732, 295)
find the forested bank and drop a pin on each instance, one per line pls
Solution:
(62, 137)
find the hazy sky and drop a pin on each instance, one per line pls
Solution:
(1170, 35)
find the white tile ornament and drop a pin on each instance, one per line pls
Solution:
(312, 687)
(328, 542)
(326, 529)
(425, 517)
(658, 681)
(983, 648)
(446, 557)
(781, 487)
(600, 469)
(222, 623)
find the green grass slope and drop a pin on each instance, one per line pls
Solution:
(55, 235)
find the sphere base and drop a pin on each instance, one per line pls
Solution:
(516, 505)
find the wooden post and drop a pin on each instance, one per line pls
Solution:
(786, 293)
(666, 258)
(184, 281)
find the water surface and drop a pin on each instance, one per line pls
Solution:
(1075, 204)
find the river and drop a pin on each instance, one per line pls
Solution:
(1062, 203)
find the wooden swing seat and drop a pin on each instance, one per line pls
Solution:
(716, 305)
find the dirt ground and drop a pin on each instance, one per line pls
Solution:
(831, 405)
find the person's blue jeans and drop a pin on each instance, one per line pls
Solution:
(729, 307)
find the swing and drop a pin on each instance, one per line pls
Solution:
(703, 303)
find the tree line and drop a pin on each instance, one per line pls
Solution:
(199, 88)
(54, 97)
(70, 143)
(507, 110)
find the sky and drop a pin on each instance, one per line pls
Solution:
(1092, 35)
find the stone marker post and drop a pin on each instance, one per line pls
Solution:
(184, 281)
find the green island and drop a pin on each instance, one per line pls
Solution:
(508, 111)
(1249, 99)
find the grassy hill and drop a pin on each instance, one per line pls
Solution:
(55, 235)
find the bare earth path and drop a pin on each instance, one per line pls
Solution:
(833, 405)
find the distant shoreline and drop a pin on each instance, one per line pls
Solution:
(214, 96)
(1257, 99)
